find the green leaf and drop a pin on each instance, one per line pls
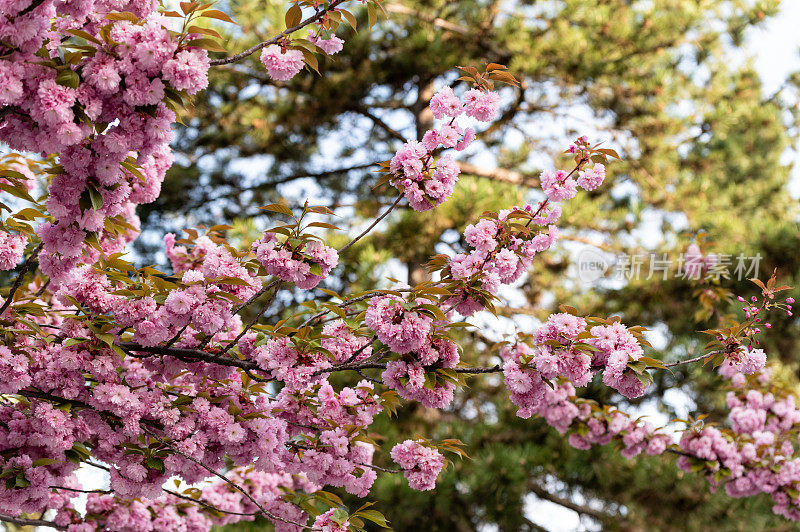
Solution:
(17, 191)
(293, 16)
(350, 19)
(375, 516)
(85, 35)
(316, 269)
(44, 462)
(155, 463)
(278, 207)
(217, 14)
(125, 15)
(74, 341)
(206, 44)
(96, 198)
(339, 516)
(68, 78)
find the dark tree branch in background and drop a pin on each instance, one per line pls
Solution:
(381, 124)
(18, 281)
(498, 174)
(313, 175)
(401, 9)
(566, 503)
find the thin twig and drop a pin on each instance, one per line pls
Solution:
(76, 490)
(350, 367)
(689, 360)
(342, 304)
(30, 522)
(228, 481)
(266, 288)
(261, 312)
(493, 369)
(205, 504)
(41, 290)
(371, 226)
(383, 469)
(288, 31)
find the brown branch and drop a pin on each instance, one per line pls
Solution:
(492, 369)
(238, 309)
(34, 5)
(258, 294)
(191, 354)
(351, 367)
(205, 504)
(76, 490)
(29, 522)
(288, 31)
(690, 360)
(345, 303)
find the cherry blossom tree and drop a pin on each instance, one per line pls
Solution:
(200, 417)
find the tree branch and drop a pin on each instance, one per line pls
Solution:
(372, 225)
(288, 31)
(498, 174)
(192, 354)
(29, 522)
(566, 503)
(381, 124)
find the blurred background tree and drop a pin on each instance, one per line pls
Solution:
(703, 153)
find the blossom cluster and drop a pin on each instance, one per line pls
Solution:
(564, 347)
(421, 465)
(408, 330)
(415, 377)
(305, 264)
(154, 377)
(427, 183)
(103, 112)
(333, 456)
(283, 62)
(557, 404)
(503, 245)
(758, 454)
(502, 250)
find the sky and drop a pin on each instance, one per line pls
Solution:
(775, 48)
